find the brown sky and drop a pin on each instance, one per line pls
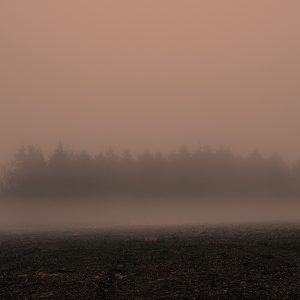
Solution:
(150, 74)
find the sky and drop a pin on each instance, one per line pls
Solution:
(151, 75)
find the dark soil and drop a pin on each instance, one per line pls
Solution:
(214, 262)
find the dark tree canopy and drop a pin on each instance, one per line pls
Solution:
(196, 173)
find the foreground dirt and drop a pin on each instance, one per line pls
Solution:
(221, 262)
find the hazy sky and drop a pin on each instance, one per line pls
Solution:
(150, 74)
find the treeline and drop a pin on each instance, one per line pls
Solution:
(190, 173)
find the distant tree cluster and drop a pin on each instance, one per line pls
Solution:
(189, 173)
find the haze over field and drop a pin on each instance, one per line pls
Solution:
(150, 74)
(149, 149)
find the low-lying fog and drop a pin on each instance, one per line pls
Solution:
(125, 212)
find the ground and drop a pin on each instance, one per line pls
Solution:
(258, 261)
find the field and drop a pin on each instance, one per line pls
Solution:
(254, 261)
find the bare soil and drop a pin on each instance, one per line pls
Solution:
(258, 261)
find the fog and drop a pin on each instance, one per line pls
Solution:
(119, 213)
(150, 75)
(70, 188)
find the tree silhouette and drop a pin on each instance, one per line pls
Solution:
(203, 172)
(27, 173)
